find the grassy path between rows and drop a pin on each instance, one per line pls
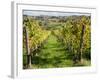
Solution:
(52, 55)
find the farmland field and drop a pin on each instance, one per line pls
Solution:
(56, 41)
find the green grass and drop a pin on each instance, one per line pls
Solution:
(53, 55)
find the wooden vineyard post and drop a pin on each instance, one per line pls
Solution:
(81, 43)
(27, 48)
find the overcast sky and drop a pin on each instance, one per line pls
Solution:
(38, 13)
